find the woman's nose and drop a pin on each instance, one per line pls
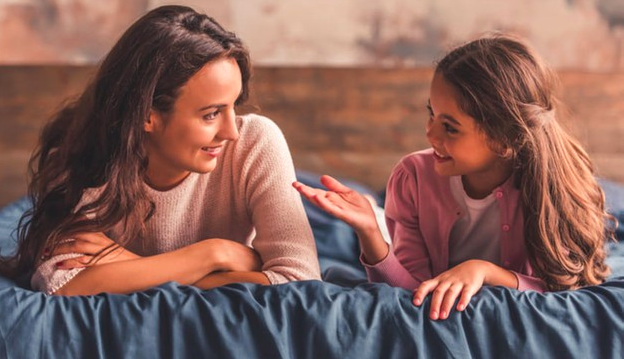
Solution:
(229, 130)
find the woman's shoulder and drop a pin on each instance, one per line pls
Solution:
(259, 136)
(252, 125)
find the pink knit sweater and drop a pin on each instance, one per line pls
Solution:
(247, 198)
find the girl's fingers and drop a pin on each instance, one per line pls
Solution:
(334, 199)
(330, 206)
(333, 184)
(425, 288)
(436, 300)
(449, 299)
(467, 294)
(306, 191)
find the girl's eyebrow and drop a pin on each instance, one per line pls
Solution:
(443, 115)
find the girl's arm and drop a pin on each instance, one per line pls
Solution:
(354, 209)
(407, 264)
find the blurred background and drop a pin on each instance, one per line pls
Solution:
(346, 80)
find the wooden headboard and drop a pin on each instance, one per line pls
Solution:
(349, 122)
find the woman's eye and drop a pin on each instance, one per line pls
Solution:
(211, 116)
(450, 129)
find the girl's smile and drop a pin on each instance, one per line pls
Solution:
(440, 157)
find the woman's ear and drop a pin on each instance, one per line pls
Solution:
(150, 123)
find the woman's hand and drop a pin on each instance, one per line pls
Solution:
(96, 248)
(464, 279)
(231, 256)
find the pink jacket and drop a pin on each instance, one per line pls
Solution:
(420, 213)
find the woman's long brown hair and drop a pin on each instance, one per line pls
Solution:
(97, 141)
(510, 92)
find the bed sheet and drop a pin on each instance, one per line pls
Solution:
(342, 317)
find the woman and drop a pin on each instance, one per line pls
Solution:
(150, 176)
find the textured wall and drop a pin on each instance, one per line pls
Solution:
(355, 123)
(346, 80)
(571, 34)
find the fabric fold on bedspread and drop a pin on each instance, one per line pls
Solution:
(311, 320)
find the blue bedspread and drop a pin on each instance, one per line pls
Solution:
(309, 319)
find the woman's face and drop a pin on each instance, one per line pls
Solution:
(192, 136)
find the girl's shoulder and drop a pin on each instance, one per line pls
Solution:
(417, 169)
(417, 163)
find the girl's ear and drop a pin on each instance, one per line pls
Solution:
(502, 150)
(506, 152)
(150, 124)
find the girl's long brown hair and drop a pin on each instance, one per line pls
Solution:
(97, 141)
(509, 91)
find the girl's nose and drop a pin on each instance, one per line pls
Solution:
(434, 133)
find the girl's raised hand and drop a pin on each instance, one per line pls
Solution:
(342, 202)
(96, 248)
(464, 279)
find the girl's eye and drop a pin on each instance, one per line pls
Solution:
(211, 116)
(450, 129)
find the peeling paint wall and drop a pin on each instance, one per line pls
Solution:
(583, 35)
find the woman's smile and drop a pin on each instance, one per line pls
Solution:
(212, 151)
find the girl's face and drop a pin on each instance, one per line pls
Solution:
(460, 147)
(192, 136)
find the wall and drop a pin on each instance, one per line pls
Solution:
(349, 122)
(583, 35)
(346, 80)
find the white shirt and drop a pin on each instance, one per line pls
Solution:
(476, 234)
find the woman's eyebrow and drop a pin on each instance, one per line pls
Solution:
(216, 105)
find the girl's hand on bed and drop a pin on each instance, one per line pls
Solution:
(464, 279)
(96, 248)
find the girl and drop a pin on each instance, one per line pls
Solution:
(151, 177)
(505, 197)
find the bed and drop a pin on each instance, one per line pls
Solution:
(341, 317)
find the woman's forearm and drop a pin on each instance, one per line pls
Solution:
(222, 278)
(186, 266)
